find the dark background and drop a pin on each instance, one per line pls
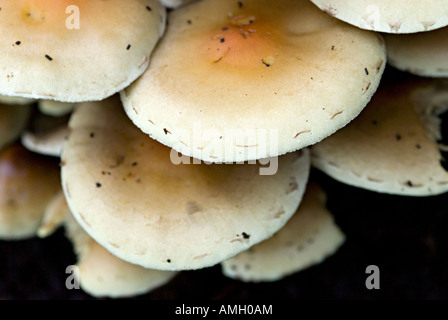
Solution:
(406, 237)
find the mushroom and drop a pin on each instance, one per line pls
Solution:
(101, 274)
(15, 100)
(173, 4)
(47, 143)
(389, 16)
(55, 108)
(89, 50)
(129, 194)
(241, 80)
(46, 134)
(13, 120)
(423, 54)
(28, 182)
(55, 214)
(307, 239)
(393, 146)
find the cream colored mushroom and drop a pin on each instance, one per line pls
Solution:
(393, 146)
(242, 80)
(15, 100)
(55, 108)
(423, 54)
(76, 51)
(308, 238)
(13, 120)
(389, 16)
(126, 192)
(47, 143)
(175, 3)
(103, 275)
(28, 182)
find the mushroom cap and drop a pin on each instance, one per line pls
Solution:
(389, 16)
(231, 83)
(423, 53)
(46, 56)
(129, 195)
(46, 134)
(28, 182)
(47, 143)
(103, 275)
(54, 216)
(13, 120)
(15, 100)
(175, 3)
(392, 147)
(55, 108)
(307, 239)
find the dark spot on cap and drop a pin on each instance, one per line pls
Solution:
(265, 63)
(128, 47)
(168, 260)
(18, 43)
(418, 146)
(222, 40)
(367, 71)
(48, 57)
(98, 185)
(225, 29)
(148, 8)
(92, 134)
(189, 21)
(245, 235)
(166, 131)
(398, 137)
(374, 122)
(409, 183)
(240, 4)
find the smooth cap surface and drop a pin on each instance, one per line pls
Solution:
(389, 16)
(423, 54)
(129, 195)
(242, 80)
(394, 146)
(75, 50)
(28, 182)
(308, 238)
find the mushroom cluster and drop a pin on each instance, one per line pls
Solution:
(173, 136)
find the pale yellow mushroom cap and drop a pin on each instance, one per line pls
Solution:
(308, 238)
(103, 275)
(175, 3)
(28, 182)
(76, 50)
(423, 54)
(232, 82)
(13, 120)
(48, 143)
(55, 108)
(389, 16)
(129, 195)
(393, 146)
(15, 100)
